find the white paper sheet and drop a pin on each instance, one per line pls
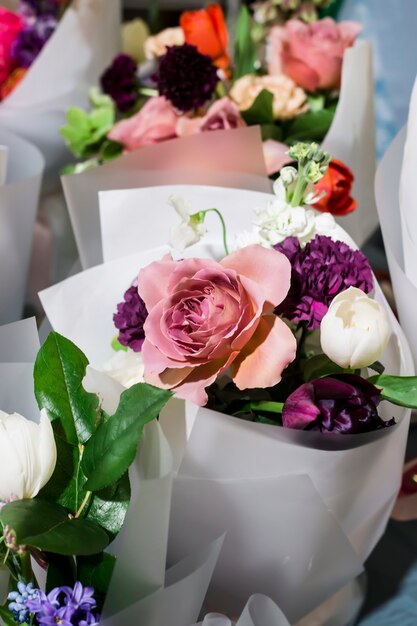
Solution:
(259, 611)
(351, 138)
(226, 158)
(4, 154)
(87, 38)
(18, 204)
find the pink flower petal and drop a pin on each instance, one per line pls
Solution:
(252, 262)
(349, 31)
(268, 353)
(275, 155)
(153, 281)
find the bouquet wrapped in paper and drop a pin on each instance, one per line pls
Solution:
(306, 79)
(21, 169)
(51, 50)
(282, 350)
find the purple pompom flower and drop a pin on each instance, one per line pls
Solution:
(120, 82)
(130, 318)
(345, 404)
(185, 77)
(320, 271)
(32, 39)
(65, 606)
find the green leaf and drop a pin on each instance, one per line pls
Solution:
(59, 370)
(261, 111)
(311, 126)
(46, 526)
(401, 390)
(271, 131)
(316, 102)
(116, 345)
(6, 616)
(319, 366)
(112, 448)
(265, 406)
(96, 571)
(110, 150)
(84, 131)
(61, 571)
(245, 48)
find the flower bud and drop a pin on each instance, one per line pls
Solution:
(355, 331)
(288, 175)
(27, 455)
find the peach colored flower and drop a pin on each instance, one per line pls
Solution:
(155, 122)
(205, 316)
(289, 100)
(222, 115)
(156, 45)
(311, 54)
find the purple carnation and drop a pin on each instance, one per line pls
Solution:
(65, 606)
(32, 39)
(120, 82)
(320, 271)
(185, 77)
(345, 404)
(32, 8)
(130, 318)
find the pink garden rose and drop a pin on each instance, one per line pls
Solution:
(222, 115)
(311, 54)
(155, 122)
(10, 26)
(205, 316)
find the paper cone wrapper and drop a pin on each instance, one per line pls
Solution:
(301, 512)
(85, 41)
(351, 138)
(18, 204)
(226, 158)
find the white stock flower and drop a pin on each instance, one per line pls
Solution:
(355, 330)
(191, 228)
(126, 367)
(27, 455)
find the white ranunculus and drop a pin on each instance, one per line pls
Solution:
(27, 455)
(191, 228)
(355, 330)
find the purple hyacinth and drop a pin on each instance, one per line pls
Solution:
(130, 318)
(185, 77)
(320, 271)
(65, 606)
(345, 404)
(32, 39)
(120, 82)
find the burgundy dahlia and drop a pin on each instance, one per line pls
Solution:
(32, 39)
(120, 82)
(345, 404)
(320, 271)
(130, 318)
(185, 77)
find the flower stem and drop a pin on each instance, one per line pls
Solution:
(299, 190)
(220, 90)
(226, 249)
(83, 504)
(148, 91)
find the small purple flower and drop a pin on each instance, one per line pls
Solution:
(185, 77)
(345, 404)
(319, 272)
(130, 318)
(120, 82)
(32, 39)
(65, 606)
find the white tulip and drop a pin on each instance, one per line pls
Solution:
(355, 330)
(27, 455)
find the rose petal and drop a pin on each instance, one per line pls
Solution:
(275, 155)
(153, 281)
(267, 354)
(251, 261)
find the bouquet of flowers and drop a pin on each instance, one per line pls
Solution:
(283, 357)
(310, 84)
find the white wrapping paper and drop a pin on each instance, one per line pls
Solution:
(259, 611)
(227, 158)
(18, 204)
(351, 138)
(301, 512)
(4, 154)
(87, 38)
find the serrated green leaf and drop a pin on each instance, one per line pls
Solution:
(245, 48)
(311, 126)
(112, 448)
(401, 390)
(319, 366)
(46, 526)
(59, 370)
(261, 111)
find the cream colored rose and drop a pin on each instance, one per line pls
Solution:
(289, 100)
(156, 45)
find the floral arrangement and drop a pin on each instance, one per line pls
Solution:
(191, 84)
(22, 36)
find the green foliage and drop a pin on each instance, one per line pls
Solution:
(319, 366)
(245, 48)
(84, 131)
(311, 126)
(116, 345)
(401, 390)
(261, 111)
